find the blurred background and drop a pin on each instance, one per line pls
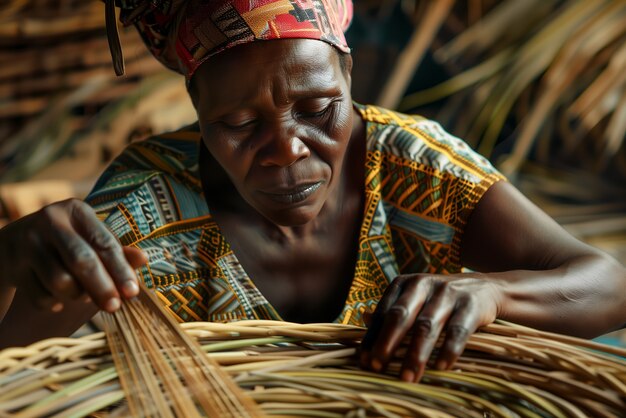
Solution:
(538, 86)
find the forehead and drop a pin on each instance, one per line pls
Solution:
(286, 67)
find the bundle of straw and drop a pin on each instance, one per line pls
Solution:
(163, 372)
(311, 370)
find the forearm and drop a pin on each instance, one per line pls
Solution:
(585, 297)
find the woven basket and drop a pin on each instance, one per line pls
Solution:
(311, 370)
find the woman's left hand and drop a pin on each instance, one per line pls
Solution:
(424, 306)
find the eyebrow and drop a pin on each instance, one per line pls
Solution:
(321, 81)
(324, 82)
(315, 92)
(312, 91)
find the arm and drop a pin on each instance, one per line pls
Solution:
(547, 279)
(528, 270)
(59, 266)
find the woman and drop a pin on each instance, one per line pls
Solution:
(288, 201)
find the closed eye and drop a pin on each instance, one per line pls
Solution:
(315, 114)
(239, 126)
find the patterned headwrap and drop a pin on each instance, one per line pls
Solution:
(182, 34)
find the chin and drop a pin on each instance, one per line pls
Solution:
(292, 217)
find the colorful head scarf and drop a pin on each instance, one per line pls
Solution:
(182, 34)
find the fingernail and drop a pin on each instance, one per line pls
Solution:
(442, 365)
(113, 305)
(408, 376)
(377, 365)
(130, 288)
(87, 299)
(57, 307)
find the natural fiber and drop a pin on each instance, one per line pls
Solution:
(58, 90)
(311, 370)
(163, 372)
(545, 77)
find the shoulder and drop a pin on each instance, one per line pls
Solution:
(418, 141)
(174, 154)
(169, 152)
(425, 183)
(152, 183)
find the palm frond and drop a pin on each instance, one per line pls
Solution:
(552, 71)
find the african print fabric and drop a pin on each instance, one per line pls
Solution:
(421, 185)
(206, 28)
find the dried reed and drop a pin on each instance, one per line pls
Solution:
(311, 370)
(553, 71)
(57, 82)
(163, 372)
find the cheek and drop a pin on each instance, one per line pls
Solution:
(218, 144)
(340, 128)
(344, 120)
(334, 138)
(225, 153)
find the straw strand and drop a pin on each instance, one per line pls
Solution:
(163, 372)
(506, 370)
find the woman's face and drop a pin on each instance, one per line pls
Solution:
(277, 116)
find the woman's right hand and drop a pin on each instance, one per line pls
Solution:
(64, 253)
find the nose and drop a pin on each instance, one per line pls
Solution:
(283, 149)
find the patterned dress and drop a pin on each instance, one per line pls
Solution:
(421, 184)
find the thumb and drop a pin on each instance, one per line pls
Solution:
(135, 257)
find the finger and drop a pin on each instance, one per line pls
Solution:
(426, 331)
(462, 324)
(83, 263)
(41, 298)
(107, 248)
(391, 294)
(53, 275)
(389, 297)
(398, 321)
(135, 256)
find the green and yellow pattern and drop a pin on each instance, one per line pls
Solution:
(421, 185)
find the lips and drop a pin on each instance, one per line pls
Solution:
(292, 195)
